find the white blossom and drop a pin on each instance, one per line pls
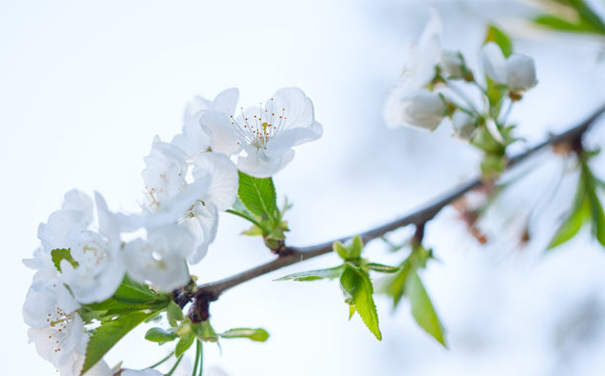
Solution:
(419, 108)
(267, 134)
(55, 327)
(161, 258)
(423, 56)
(98, 269)
(196, 138)
(517, 72)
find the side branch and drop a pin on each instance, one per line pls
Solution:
(293, 255)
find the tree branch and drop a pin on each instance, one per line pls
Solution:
(292, 255)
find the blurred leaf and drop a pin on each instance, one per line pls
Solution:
(205, 332)
(160, 335)
(496, 35)
(258, 195)
(423, 310)
(108, 334)
(559, 24)
(184, 344)
(61, 254)
(570, 226)
(359, 293)
(396, 287)
(313, 275)
(259, 334)
(381, 268)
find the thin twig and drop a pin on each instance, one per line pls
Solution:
(292, 255)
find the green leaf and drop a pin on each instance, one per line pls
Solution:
(108, 334)
(570, 227)
(423, 310)
(132, 292)
(313, 275)
(184, 344)
(359, 293)
(381, 268)
(174, 313)
(205, 332)
(258, 195)
(341, 250)
(259, 335)
(60, 254)
(396, 287)
(598, 217)
(496, 35)
(160, 335)
(560, 24)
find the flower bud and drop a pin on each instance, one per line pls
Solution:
(464, 125)
(518, 72)
(452, 64)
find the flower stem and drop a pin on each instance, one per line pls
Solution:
(174, 367)
(162, 361)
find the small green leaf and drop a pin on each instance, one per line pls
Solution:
(356, 247)
(351, 251)
(258, 195)
(184, 344)
(259, 335)
(174, 313)
(382, 268)
(313, 275)
(496, 35)
(359, 292)
(253, 231)
(341, 250)
(108, 334)
(160, 335)
(60, 254)
(205, 332)
(423, 310)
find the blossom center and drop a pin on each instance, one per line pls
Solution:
(260, 125)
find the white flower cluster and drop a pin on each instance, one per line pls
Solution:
(424, 95)
(188, 182)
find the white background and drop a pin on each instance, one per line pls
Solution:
(84, 87)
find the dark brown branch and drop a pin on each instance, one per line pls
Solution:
(292, 255)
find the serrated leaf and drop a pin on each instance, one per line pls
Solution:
(382, 268)
(108, 334)
(258, 195)
(359, 292)
(61, 254)
(496, 35)
(184, 344)
(313, 275)
(205, 332)
(160, 335)
(258, 335)
(422, 309)
(174, 313)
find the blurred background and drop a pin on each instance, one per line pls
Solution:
(84, 87)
